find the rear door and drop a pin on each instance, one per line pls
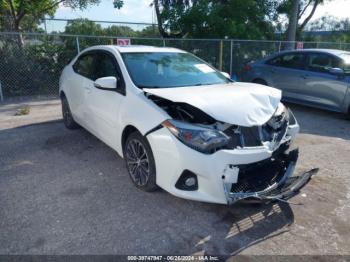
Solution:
(320, 87)
(102, 104)
(285, 72)
(82, 78)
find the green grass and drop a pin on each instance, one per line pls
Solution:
(25, 110)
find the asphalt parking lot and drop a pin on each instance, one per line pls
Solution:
(65, 192)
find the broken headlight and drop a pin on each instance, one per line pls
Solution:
(202, 139)
(279, 118)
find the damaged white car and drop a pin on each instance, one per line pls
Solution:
(182, 125)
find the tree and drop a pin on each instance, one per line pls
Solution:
(293, 21)
(305, 12)
(167, 11)
(123, 30)
(328, 29)
(17, 12)
(219, 18)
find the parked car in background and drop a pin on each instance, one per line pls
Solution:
(182, 125)
(313, 77)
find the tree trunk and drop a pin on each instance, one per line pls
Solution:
(20, 41)
(162, 32)
(159, 19)
(293, 23)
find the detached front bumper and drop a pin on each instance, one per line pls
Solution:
(270, 179)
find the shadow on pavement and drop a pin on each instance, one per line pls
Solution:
(245, 225)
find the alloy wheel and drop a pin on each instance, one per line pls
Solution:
(137, 162)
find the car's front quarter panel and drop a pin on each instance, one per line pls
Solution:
(140, 112)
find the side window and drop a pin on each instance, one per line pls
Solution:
(322, 63)
(291, 60)
(105, 66)
(85, 66)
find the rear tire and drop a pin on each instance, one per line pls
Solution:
(67, 115)
(140, 162)
(260, 81)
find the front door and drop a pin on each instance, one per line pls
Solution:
(321, 87)
(103, 105)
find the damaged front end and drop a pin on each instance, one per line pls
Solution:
(268, 179)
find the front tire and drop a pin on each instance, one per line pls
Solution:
(140, 162)
(67, 115)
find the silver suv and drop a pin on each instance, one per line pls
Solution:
(313, 77)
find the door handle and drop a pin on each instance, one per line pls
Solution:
(304, 76)
(88, 89)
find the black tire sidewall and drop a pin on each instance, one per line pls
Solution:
(151, 183)
(69, 123)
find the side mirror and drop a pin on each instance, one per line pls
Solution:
(107, 83)
(226, 74)
(336, 71)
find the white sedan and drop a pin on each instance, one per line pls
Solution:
(182, 125)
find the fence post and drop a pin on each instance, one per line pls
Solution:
(221, 51)
(77, 42)
(231, 58)
(279, 47)
(1, 94)
(163, 43)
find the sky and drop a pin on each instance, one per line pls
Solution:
(140, 11)
(132, 11)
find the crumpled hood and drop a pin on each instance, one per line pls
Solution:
(243, 104)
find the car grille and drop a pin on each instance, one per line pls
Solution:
(256, 135)
(259, 176)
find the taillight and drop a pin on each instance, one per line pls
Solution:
(247, 68)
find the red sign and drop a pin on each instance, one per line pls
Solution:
(123, 41)
(300, 45)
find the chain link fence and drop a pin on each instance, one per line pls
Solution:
(31, 63)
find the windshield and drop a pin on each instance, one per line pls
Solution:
(168, 69)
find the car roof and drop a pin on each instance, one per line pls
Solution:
(320, 50)
(134, 49)
(145, 48)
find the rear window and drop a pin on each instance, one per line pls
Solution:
(290, 60)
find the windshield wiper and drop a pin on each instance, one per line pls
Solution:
(151, 87)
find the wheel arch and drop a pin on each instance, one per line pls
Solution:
(129, 129)
(62, 94)
(260, 80)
